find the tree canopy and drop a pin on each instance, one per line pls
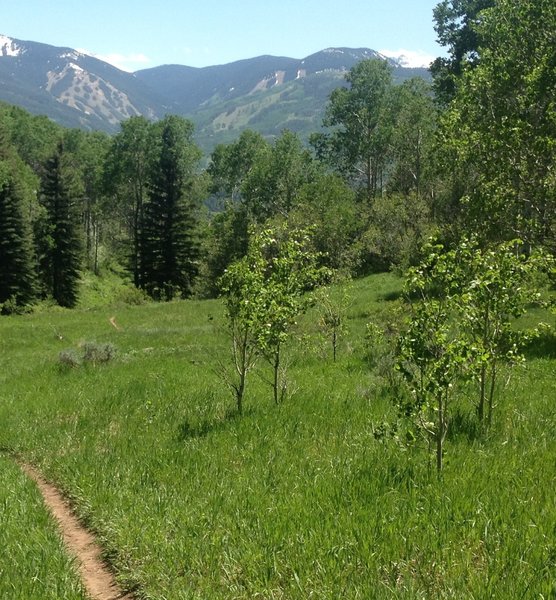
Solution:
(500, 128)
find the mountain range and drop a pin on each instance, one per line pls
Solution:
(266, 93)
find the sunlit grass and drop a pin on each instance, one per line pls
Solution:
(296, 501)
(33, 563)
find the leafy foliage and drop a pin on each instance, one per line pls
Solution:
(241, 285)
(272, 185)
(461, 325)
(361, 120)
(264, 293)
(497, 285)
(335, 217)
(231, 164)
(226, 241)
(499, 132)
(126, 174)
(456, 25)
(332, 316)
(431, 353)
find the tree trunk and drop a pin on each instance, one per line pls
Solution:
(440, 433)
(239, 393)
(481, 405)
(276, 382)
(242, 367)
(491, 392)
(96, 249)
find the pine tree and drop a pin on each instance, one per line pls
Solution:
(170, 249)
(17, 274)
(59, 240)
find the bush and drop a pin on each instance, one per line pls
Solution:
(69, 359)
(92, 352)
(132, 296)
(98, 353)
(13, 307)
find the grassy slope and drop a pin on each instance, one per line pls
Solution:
(295, 501)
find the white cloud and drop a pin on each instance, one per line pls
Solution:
(410, 58)
(125, 62)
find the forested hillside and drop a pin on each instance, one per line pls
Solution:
(139, 199)
(390, 166)
(265, 93)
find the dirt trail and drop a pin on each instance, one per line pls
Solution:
(97, 578)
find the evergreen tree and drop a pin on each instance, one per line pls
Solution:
(17, 275)
(169, 251)
(60, 246)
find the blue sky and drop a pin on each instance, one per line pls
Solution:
(139, 34)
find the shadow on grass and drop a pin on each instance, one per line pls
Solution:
(392, 296)
(194, 429)
(403, 295)
(542, 347)
(467, 425)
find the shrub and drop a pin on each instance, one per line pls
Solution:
(69, 359)
(91, 352)
(13, 307)
(132, 296)
(98, 353)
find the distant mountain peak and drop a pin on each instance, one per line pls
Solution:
(9, 46)
(74, 55)
(333, 51)
(265, 93)
(343, 59)
(409, 59)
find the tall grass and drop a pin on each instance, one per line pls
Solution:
(33, 563)
(302, 500)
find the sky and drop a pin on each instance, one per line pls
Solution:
(141, 34)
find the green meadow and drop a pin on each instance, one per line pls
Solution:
(33, 563)
(303, 500)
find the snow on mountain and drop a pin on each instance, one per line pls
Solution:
(8, 47)
(124, 62)
(411, 59)
(266, 93)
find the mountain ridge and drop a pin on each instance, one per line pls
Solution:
(266, 93)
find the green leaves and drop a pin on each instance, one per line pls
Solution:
(461, 324)
(266, 290)
(456, 25)
(500, 126)
(361, 122)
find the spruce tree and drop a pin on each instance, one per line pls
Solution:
(170, 249)
(17, 273)
(59, 240)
